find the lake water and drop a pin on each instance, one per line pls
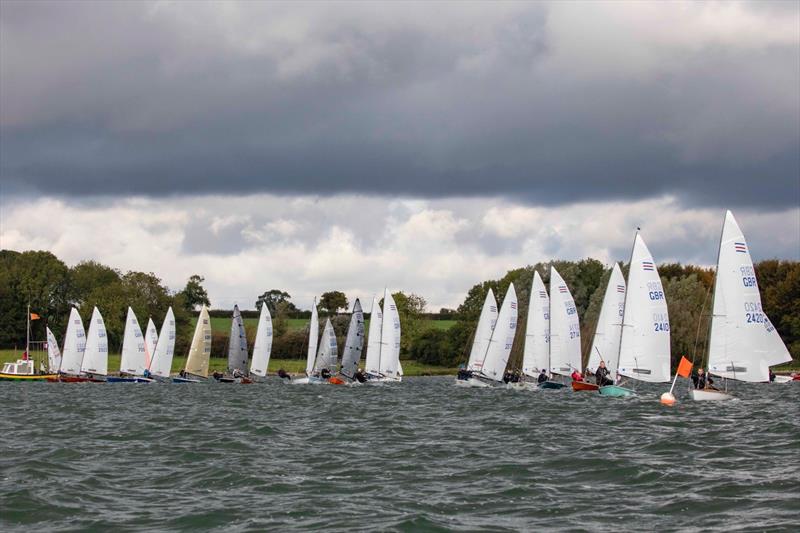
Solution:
(422, 455)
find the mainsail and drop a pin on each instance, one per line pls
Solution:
(536, 354)
(161, 364)
(390, 338)
(328, 350)
(237, 345)
(95, 358)
(150, 341)
(262, 347)
(483, 333)
(605, 346)
(132, 359)
(200, 350)
(74, 345)
(313, 338)
(354, 343)
(53, 352)
(644, 352)
(565, 329)
(496, 358)
(743, 343)
(373, 361)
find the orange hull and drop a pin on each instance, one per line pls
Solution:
(582, 385)
(336, 381)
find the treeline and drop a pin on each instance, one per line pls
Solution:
(687, 288)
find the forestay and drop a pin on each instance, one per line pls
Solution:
(373, 361)
(390, 339)
(313, 338)
(132, 359)
(354, 343)
(496, 358)
(605, 346)
(150, 341)
(200, 351)
(262, 347)
(328, 350)
(483, 333)
(161, 365)
(237, 346)
(744, 343)
(644, 345)
(95, 357)
(74, 345)
(536, 353)
(53, 352)
(565, 329)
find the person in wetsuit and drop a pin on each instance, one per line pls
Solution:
(542, 376)
(359, 376)
(601, 375)
(464, 374)
(325, 373)
(771, 376)
(702, 380)
(283, 374)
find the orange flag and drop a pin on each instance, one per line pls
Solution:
(684, 367)
(34, 316)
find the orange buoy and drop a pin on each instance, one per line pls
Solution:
(668, 399)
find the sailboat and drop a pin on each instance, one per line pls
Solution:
(150, 341)
(53, 352)
(536, 351)
(743, 343)
(605, 345)
(237, 352)
(72, 354)
(131, 363)
(373, 359)
(644, 349)
(161, 363)
(483, 334)
(95, 357)
(388, 369)
(490, 368)
(262, 347)
(353, 345)
(196, 369)
(311, 354)
(565, 331)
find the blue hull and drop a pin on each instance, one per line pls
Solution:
(615, 391)
(113, 379)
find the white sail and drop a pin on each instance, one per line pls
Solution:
(483, 333)
(328, 350)
(237, 344)
(565, 328)
(313, 338)
(644, 352)
(53, 352)
(161, 364)
(95, 357)
(354, 343)
(200, 351)
(132, 359)
(496, 358)
(262, 347)
(390, 338)
(605, 346)
(74, 345)
(150, 341)
(373, 362)
(744, 343)
(536, 353)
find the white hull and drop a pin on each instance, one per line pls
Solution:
(374, 380)
(523, 385)
(783, 379)
(309, 381)
(477, 383)
(709, 395)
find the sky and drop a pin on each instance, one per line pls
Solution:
(422, 147)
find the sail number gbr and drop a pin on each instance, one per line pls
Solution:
(748, 276)
(655, 291)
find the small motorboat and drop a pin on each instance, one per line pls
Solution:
(23, 370)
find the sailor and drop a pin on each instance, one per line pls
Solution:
(146, 373)
(359, 376)
(771, 376)
(576, 376)
(464, 374)
(601, 375)
(325, 373)
(237, 373)
(542, 376)
(283, 374)
(701, 380)
(182, 373)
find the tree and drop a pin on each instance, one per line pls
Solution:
(194, 294)
(332, 301)
(272, 298)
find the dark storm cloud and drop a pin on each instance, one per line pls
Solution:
(428, 101)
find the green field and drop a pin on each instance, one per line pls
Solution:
(297, 366)
(223, 324)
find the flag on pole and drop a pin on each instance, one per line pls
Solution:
(34, 316)
(684, 367)
(25, 355)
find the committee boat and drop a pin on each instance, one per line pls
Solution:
(196, 369)
(743, 342)
(25, 369)
(353, 345)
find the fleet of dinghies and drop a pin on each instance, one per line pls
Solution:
(631, 341)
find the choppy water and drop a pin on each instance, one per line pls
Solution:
(424, 455)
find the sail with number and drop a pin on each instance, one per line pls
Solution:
(150, 341)
(200, 350)
(565, 328)
(53, 352)
(483, 333)
(95, 357)
(132, 358)
(390, 339)
(536, 353)
(354, 343)
(237, 345)
(313, 338)
(328, 354)
(161, 364)
(262, 347)
(605, 346)
(74, 345)
(373, 362)
(644, 352)
(743, 343)
(499, 348)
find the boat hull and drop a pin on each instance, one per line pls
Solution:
(114, 379)
(68, 379)
(472, 383)
(34, 377)
(584, 386)
(551, 385)
(313, 380)
(709, 395)
(188, 380)
(615, 391)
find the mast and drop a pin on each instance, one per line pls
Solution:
(28, 335)
(713, 299)
(383, 319)
(625, 306)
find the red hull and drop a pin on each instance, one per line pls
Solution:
(582, 385)
(336, 381)
(69, 379)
